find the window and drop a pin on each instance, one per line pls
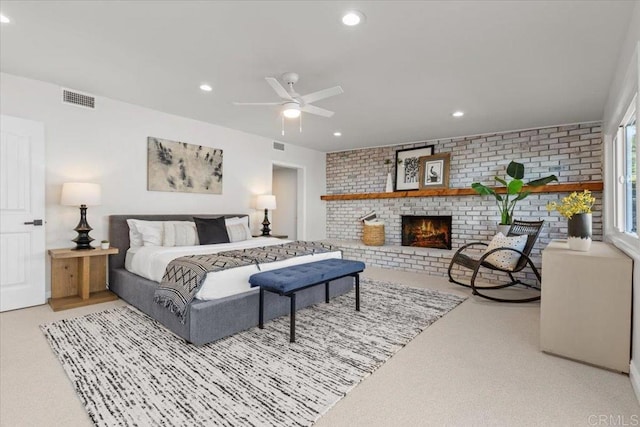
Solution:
(631, 221)
(626, 171)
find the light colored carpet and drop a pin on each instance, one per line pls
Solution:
(478, 365)
(129, 370)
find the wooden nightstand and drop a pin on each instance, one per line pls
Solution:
(79, 277)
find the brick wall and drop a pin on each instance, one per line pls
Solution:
(573, 153)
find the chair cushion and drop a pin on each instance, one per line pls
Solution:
(505, 260)
(289, 279)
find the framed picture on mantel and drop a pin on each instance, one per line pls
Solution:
(434, 171)
(408, 167)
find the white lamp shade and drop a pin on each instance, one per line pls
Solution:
(266, 201)
(80, 193)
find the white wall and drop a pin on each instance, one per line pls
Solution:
(623, 87)
(285, 188)
(108, 146)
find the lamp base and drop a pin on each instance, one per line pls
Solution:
(266, 231)
(83, 240)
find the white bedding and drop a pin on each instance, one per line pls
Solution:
(151, 262)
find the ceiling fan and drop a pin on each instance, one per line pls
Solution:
(293, 103)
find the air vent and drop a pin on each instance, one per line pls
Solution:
(78, 99)
(278, 146)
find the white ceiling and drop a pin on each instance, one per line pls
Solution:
(508, 65)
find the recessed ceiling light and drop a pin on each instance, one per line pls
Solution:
(4, 19)
(337, 134)
(205, 87)
(458, 114)
(352, 18)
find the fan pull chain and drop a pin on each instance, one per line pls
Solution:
(300, 122)
(282, 117)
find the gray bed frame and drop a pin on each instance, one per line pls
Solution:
(206, 321)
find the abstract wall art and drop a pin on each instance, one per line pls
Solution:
(181, 167)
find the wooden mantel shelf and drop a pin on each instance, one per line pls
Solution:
(549, 188)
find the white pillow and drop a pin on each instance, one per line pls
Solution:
(236, 232)
(180, 233)
(506, 260)
(135, 235)
(233, 220)
(151, 233)
(184, 233)
(238, 228)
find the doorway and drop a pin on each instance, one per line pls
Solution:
(22, 236)
(286, 186)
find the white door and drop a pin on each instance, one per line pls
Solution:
(22, 240)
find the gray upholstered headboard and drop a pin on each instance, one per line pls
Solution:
(119, 231)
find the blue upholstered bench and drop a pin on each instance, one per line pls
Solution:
(289, 280)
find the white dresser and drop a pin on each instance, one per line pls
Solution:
(585, 311)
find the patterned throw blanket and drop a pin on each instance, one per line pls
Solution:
(185, 275)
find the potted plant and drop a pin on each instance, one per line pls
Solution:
(576, 207)
(104, 244)
(514, 191)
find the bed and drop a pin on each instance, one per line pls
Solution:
(205, 320)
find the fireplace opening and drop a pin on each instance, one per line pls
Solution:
(426, 231)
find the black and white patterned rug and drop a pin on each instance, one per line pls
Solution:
(130, 371)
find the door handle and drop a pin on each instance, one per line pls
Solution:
(34, 222)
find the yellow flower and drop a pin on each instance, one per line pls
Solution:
(574, 203)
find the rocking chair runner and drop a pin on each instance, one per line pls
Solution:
(518, 228)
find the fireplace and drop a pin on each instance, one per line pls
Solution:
(426, 231)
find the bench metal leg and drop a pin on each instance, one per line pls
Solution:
(357, 292)
(326, 292)
(292, 322)
(261, 310)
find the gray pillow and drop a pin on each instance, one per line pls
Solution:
(211, 230)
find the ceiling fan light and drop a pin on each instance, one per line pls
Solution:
(291, 110)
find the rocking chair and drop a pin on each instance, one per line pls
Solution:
(518, 228)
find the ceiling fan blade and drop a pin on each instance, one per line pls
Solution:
(322, 94)
(312, 109)
(280, 90)
(256, 103)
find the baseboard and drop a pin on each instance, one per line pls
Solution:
(634, 377)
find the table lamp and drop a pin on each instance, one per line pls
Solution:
(266, 202)
(81, 194)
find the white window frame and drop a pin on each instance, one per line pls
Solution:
(619, 174)
(630, 116)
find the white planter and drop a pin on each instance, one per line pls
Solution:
(104, 245)
(502, 228)
(389, 187)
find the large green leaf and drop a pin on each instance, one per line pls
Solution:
(515, 170)
(515, 186)
(500, 180)
(482, 190)
(542, 181)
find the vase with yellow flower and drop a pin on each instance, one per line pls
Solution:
(576, 207)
